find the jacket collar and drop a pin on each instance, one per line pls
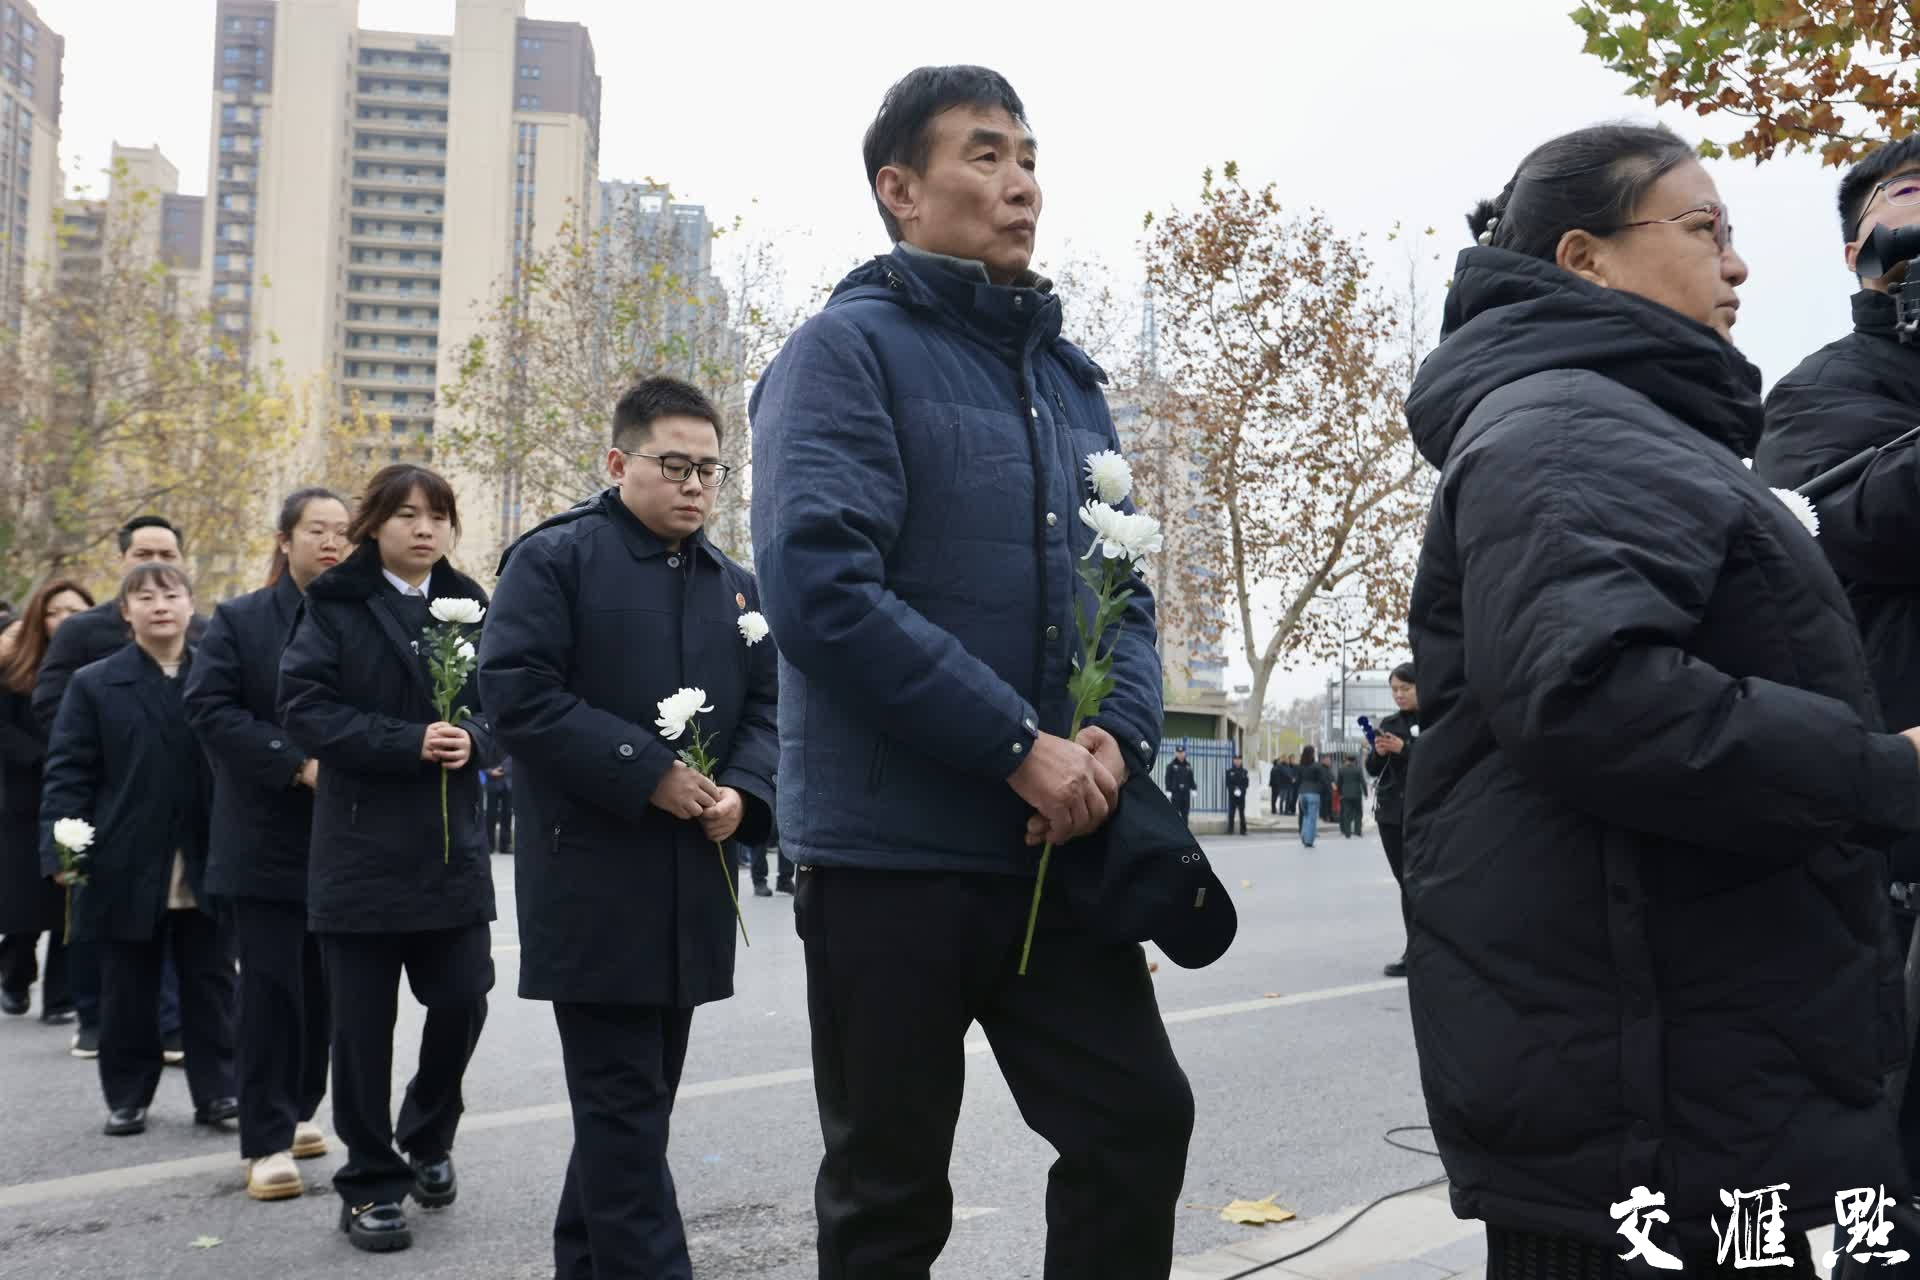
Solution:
(1875, 313)
(643, 542)
(971, 269)
(358, 577)
(131, 665)
(286, 599)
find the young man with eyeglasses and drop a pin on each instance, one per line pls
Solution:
(625, 902)
(1859, 392)
(920, 457)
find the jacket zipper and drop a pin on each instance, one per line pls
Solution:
(556, 837)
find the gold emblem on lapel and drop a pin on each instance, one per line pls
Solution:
(740, 599)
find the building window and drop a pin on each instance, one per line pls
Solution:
(529, 73)
(226, 142)
(233, 24)
(229, 113)
(230, 83)
(260, 86)
(26, 62)
(29, 32)
(230, 54)
(260, 25)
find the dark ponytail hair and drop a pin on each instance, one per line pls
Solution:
(291, 510)
(1403, 673)
(1592, 180)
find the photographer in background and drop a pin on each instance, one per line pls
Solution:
(1860, 392)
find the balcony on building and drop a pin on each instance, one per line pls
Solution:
(398, 181)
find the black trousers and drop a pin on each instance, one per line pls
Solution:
(1293, 798)
(899, 964)
(1237, 804)
(284, 1024)
(618, 1217)
(450, 971)
(1183, 801)
(1353, 813)
(758, 866)
(130, 1061)
(499, 816)
(20, 968)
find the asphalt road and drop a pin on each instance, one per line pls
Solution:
(1299, 1053)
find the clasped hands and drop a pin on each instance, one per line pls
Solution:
(1072, 786)
(688, 793)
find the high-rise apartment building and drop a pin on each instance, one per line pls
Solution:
(30, 181)
(373, 191)
(142, 219)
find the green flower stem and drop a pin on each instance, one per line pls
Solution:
(67, 940)
(446, 831)
(733, 894)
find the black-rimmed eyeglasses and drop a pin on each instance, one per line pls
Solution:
(676, 467)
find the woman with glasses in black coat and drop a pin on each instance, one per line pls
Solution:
(263, 788)
(389, 887)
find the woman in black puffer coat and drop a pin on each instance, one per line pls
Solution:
(1650, 941)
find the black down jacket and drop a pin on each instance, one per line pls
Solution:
(354, 694)
(1649, 944)
(1857, 392)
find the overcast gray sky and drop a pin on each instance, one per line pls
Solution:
(757, 109)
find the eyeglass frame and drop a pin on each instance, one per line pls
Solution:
(1912, 175)
(693, 468)
(1722, 224)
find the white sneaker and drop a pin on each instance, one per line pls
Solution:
(274, 1177)
(308, 1141)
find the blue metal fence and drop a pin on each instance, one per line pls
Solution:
(1210, 759)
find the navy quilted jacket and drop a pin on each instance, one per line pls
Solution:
(919, 461)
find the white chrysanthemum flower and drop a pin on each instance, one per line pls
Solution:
(466, 651)
(1802, 508)
(456, 609)
(1141, 536)
(677, 709)
(1111, 476)
(1119, 536)
(753, 627)
(73, 834)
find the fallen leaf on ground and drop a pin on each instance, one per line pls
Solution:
(1256, 1213)
(1246, 884)
(1273, 995)
(206, 1242)
(1153, 966)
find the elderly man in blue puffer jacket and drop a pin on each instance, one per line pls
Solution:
(919, 462)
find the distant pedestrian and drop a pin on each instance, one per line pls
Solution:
(30, 903)
(1314, 782)
(124, 759)
(1353, 797)
(1277, 777)
(1392, 754)
(1180, 782)
(263, 789)
(1238, 781)
(497, 786)
(1293, 785)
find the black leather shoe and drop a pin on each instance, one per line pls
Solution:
(434, 1186)
(126, 1122)
(1396, 968)
(15, 1003)
(377, 1228)
(760, 889)
(58, 1017)
(217, 1112)
(783, 886)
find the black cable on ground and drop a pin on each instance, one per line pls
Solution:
(1386, 1137)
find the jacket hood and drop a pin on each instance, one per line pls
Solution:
(1007, 318)
(358, 577)
(1509, 316)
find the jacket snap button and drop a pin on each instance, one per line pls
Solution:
(1146, 748)
(1053, 633)
(1017, 748)
(626, 750)
(274, 745)
(1031, 726)
(1034, 412)
(1052, 519)
(673, 562)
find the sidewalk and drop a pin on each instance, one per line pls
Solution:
(1410, 1237)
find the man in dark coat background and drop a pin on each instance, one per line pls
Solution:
(1353, 797)
(1860, 391)
(626, 909)
(1279, 778)
(920, 453)
(1180, 781)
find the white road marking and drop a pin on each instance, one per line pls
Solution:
(132, 1177)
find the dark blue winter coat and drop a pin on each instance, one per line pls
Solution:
(919, 463)
(594, 622)
(262, 817)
